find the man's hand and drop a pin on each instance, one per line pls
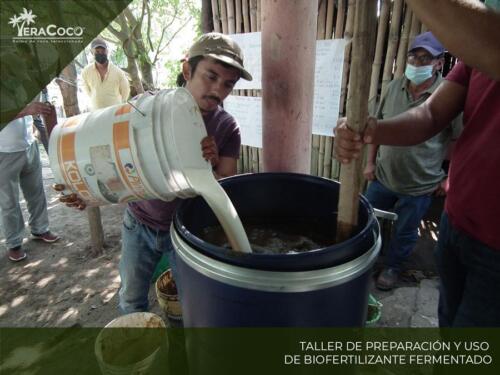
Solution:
(36, 108)
(71, 200)
(210, 150)
(369, 171)
(442, 188)
(348, 144)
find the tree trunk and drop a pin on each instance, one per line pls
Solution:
(69, 91)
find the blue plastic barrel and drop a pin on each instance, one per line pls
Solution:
(326, 287)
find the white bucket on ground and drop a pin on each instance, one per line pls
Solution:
(112, 342)
(131, 151)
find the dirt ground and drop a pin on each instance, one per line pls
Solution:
(61, 284)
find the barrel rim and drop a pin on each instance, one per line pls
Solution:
(277, 281)
(221, 253)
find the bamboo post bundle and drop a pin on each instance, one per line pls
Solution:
(415, 28)
(379, 50)
(403, 44)
(231, 29)
(223, 16)
(392, 44)
(238, 16)
(246, 19)
(216, 16)
(330, 9)
(357, 111)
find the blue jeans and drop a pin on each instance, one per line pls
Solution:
(410, 210)
(142, 248)
(470, 280)
(22, 169)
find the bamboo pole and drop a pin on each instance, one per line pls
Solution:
(330, 9)
(255, 160)
(259, 28)
(379, 52)
(239, 163)
(321, 20)
(246, 19)
(327, 164)
(253, 15)
(392, 44)
(230, 16)
(357, 111)
(351, 8)
(216, 16)
(423, 28)
(339, 23)
(415, 28)
(321, 155)
(320, 35)
(403, 44)
(238, 16)
(223, 16)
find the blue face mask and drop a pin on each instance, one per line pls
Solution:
(494, 4)
(418, 74)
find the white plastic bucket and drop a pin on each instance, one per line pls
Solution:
(133, 151)
(112, 342)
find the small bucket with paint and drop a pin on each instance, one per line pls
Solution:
(166, 292)
(129, 344)
(134, 151)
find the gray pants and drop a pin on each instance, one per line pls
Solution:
(22, 169)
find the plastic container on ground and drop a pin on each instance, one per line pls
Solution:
(120, 335)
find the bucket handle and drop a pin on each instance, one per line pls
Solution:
(138, 99)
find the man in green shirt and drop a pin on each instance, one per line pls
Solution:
(405, 178)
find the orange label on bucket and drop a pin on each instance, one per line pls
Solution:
(126, 161)
(123, 110)
(67, 161)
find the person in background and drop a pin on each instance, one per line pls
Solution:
(404, 179)
(468, 250)
(21, 167)
(213, 66)
(103, 82)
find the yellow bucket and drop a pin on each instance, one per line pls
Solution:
(166, 292)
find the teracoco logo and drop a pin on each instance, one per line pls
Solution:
(27, 32)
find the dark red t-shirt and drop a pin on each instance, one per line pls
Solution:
(473, 201)
(157, 214)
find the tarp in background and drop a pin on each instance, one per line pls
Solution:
(39, 38)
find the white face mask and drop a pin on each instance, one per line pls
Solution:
(418, 74)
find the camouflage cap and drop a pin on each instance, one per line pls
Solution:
(222, 48)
